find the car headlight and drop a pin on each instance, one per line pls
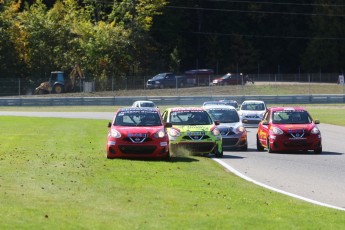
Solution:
(114, 133)
(160, 134)
(174, 132)
(240, 113)
(315, 130)
(276, 131)
(240, 129)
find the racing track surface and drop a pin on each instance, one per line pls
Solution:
(320, 178)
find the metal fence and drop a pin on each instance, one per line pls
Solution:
(18, 87)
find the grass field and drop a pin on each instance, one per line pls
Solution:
(54, 175)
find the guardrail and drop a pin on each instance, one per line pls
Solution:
(169, 100)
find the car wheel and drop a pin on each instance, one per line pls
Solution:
(269, 149)
(259, 147)
(181, 84)
(58, 89)
(161, 86)
(218, 154)
(245, 148)
(225, 83)
(318, 151)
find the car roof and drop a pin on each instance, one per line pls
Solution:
(138, 109)
(186, 109)
(290, 108)
(144, 101)
(219, 107)
(214, 102)
(252, 101)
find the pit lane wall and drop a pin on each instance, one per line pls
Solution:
(170, 100)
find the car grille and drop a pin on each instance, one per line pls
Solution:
(298, 133)
(137, 138)
(251, 121)
(252, 116)
(195, 137)
(137, 149)
(229, 141)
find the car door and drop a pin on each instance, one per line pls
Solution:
(263, 129)
(170, 80)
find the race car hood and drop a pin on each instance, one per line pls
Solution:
(188, 128)
(140, 129)
(294, 127)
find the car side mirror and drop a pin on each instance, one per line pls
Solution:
(316, 122)
(265, 122)
(168, 125)
(109, 124)
(216, 122)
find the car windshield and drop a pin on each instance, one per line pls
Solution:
(226, 76)
(137, 118)
(232, 103)
(193, 117)
(224, 115)
(147, 104)
(291, 117)
(159, 76)
(253, 106)
(214, 103)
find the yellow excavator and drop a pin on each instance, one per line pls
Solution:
(59, 83)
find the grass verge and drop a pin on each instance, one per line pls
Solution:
(54, 175)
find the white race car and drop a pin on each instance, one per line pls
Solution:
(252, 111)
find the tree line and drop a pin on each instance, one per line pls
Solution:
(112, 38)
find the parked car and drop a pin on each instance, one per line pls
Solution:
(229, 79)
(141, 104)
(252, 111)
(234, 135)
(288, 129)
(137, 133)
(194, 130)
(166, 80)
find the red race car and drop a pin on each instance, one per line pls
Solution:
(288, 129)
(138, 133)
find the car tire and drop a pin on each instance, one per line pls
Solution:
(245, 148)
(218, 154)
(181, 85)
(318, 151)
(269, 149)
(161, 86)
(259, 147)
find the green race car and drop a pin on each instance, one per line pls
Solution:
(194, 130)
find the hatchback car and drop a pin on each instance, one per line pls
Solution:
(234, 135)
(137, 133)
(288, 129)
(194, 130)
(252, 111)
